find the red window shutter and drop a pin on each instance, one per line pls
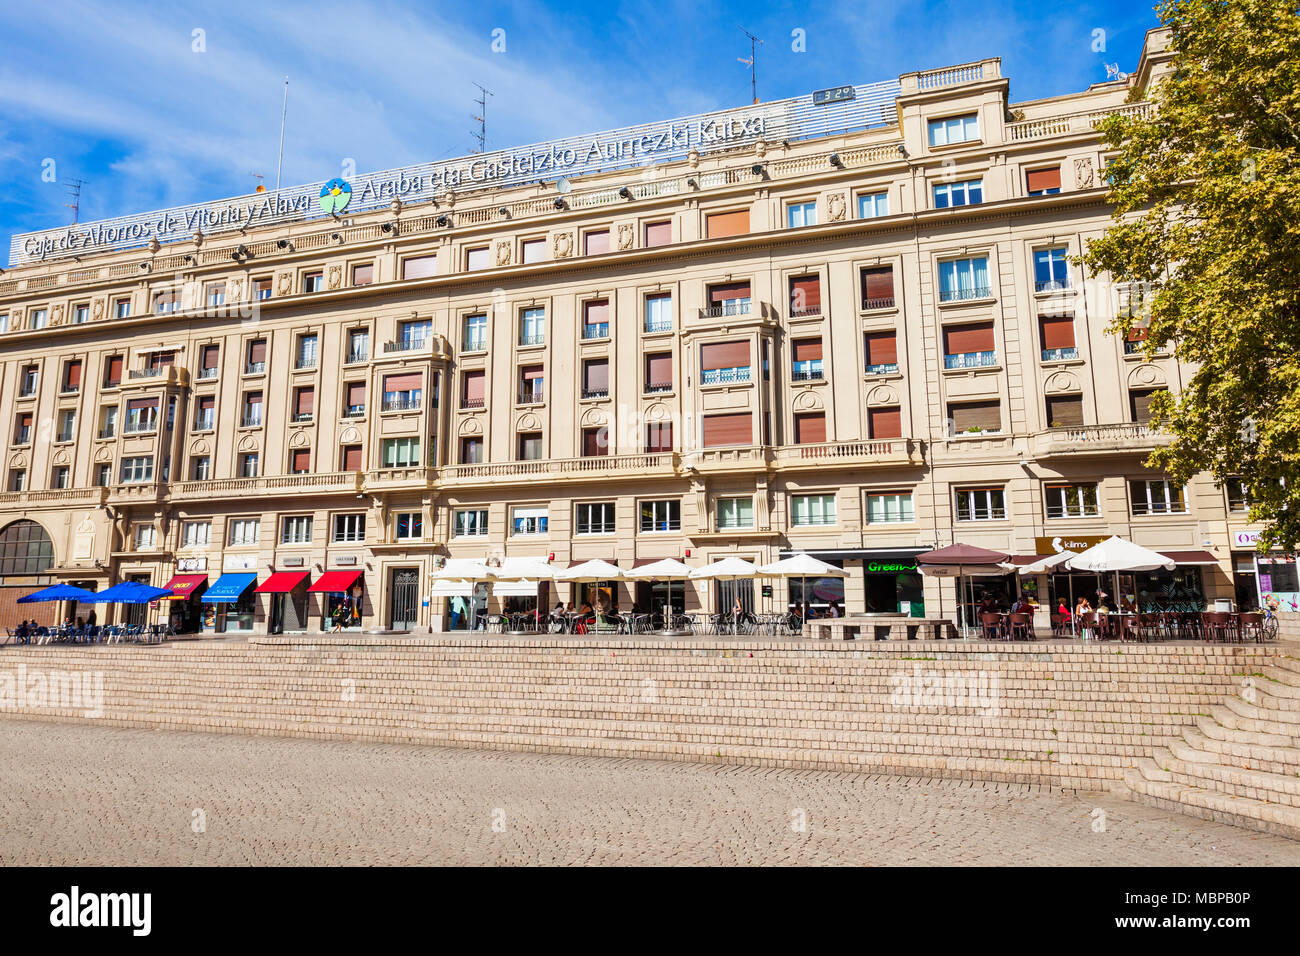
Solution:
(659, 369)
(475, 385)
(301, 460)
(136, 404)
(595, 374)
(352, 458)
(658, 234)
(1057, 331)
(958, 339)
(419, 267)
(810, 429)
(74, 373)
(210, 355)
(806, 295)
(1136, 334)
(162, 359)
(114, 372)
(595, 441)
(253, 398)
(878, 284)
(730, 429)
(1040, 179)
(207, 402)
(807, 350)
(719, 225)
(596, 243)
(885, 423)
(356, 393)
(882, 348)
(731, 290)
(986, 415)
(597, 311)
(25, 420)
(724, 355)
(532, 373)
(406, 382)
(306, 401)
(659, 436)
(257, 351)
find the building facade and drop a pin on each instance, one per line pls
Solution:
(862, 344)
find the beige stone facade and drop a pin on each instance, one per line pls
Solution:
(713, 334)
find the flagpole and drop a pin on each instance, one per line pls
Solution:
(284, 111)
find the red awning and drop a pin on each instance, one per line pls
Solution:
(1190, 557)
(183, 585)
(962, 554)
(281, 582)
(335, 582)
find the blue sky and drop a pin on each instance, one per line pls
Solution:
(114, 92)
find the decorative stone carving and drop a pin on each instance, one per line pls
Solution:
(56, 316)
(562, 245)
(199, 447)
(1084, 175)
(284, 283)
(529, 423)
(504, 253)
(693, 157)
(1062, 382)
(83, 544)
(471, 426)
(18, 461)
(299, 439)
(248, 443)
(760, 148)
(234, 288)
(60, 457)
(593, 418)
(1146, 375)
(656, 412)
(350, 436)
(335, 276)
(104, 454)
(97, 310)
(836, 207)
(626, 235)
(808, 400)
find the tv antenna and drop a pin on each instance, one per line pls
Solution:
(74, 187)
(752, 62)
(481, 135)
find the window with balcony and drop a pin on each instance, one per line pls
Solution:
(195, 534)
(23, 429)
(873, 205)
(954, 129)
(1056, 334)
(354, 399)
(884, 423)
(248, 464)
(731, 298)
(473, 388)
(358, 345)
(145, 537)
(300, 461)
(1051, 271)
(141, 415)
(1139, 401)
(720, 225)
(471, 451)
(420, 267)
(661, 515)
(810, 428)
(305, 354)
(890, 507)
(251, 415)
(881, 349)
(474, 334)
(409, 525)
(532, 327)
(530, 446)
(40, 318)
(595, 378)
(81, 313)
(532, 384)
(961, 279)
(1134, 341)
(658, 234)
(262, 287)
(967, 193)
(295, 529)
(108, 421)
(412, 335)
(363, 273)
(121, 308)
(244, 532)
(1239, 498)
(659, 312)
(304, 403)
(165, 302)
(810, 511)
(807, 360)
(524, 521)
(401, 453)
(805, 296)
(28, 380)
(209, 361)
(732, 428)
(800, 214)
(137, 469)
(595, 518)
(658, 372)
(969, 346)
(595, 442)
(595, 319)
(67, 429)
(349, 527)
(470, 523)
(200, 468)
(1155, 497)
(60, 477)
(975, 417)
(724, 362)
(1043, 182)
(160, 361)
(71, 376)
(113, 371)
(659, 437)
(255, 363)
(532, 250)
(981, 504)
(596, 243)
(877, 288)
(403, 392)
(735, 514)
(1071, 501)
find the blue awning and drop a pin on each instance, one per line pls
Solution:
(228, 588)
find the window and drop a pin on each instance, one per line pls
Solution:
(103, 476)
(67, 425)
(471, 451)
(216, 294)
(532, 327)
(1238, 495)
(313, 281)
(1064, 411)
(300, 461)
(256, 363)
(810, 428)
(595, 441)
(4, 322)
(25, 548)
(659, 313)
(530, 446)
(252, 413)
(141, 415)
(195, 534)
(729, 299)
(350, 527)
(28, 381)
(23, 428)
(967, 193)
(596, 518)
(354, 399)
(248, 465)
(1155, 497)
(812, 510)
(659, 436)
(955, 129)
(205, 413)
(410, 526)
(39, 318)
(358, 345)
(890, 507)
(1043, 182)
(878, 288)
(122, 308)
(735, 513)
(659, 372)
(807, 360)
(165, 302)
(475, 334)
(17, 479)
(414, 334)
(200, 468)
(723, 362)
(71, 376)
(478, 258)
(1056, 333)
(596, 243)
(720, 225)
(975, 417)
(800, 214)
(59, 477)
(1140, 403)
(81, 313)
(532, 384)
(1071, 501)
(964, 279)
(403, 392)
(528, 521)
(969, 346)
(981, 504)
(363, 274)
(595, 319)
(401, 453)
(262, 287)
(805, 295)
(113, 371)
(1050, 270)
(658, 234)
(873, 205)
(306, 352)
(244, 531)
(138, 469)
(295, 529)
(885, 423)
(533, 250)
(351, 458)
(419, 267)
(595, 378)
(881, 352)
(733, 428)
(663, 515)
(473, 388)
(108, 421)
(146, 535)
(210, 358)
(470, 523)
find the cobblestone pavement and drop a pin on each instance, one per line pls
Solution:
(76, 794)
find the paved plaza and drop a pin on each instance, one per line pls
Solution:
(76, 794)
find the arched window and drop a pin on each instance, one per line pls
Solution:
(25, 548)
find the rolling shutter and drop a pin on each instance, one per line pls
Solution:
(356, 394)
(1037, 180)
(1140, 404)
(136, 404)
(114, 371)
(806, 294)
(306, 401)
(659, 369)
(74, 374)
(420, 267)
(595, 375)
(719, 225)
(717, 355)
(810, 429)
(352, 458)
(659, 436)
(1057, 331)
(210, 355)
(596, 243)
(731, 290)
(882, 348)
(532, 373)
(207, 403)
(257, 351)
(985, 415)
(658, 234)
(597, 312)
(730, 429)
(960, 339)
(807, 350)
(405, 382)
(1064, 410)
(475, 386)
(301, 460)
(878, 284)
(885, 423)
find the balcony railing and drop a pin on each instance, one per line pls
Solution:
(805, 313)
(254, 368)
(357, 355)
(810, 371)
(471, 403)
(721, 376)
(207, 373)
(537, 339)
(400, 404)
(654, 388)
(884, 368)
(140, 428)
(1133, 346)
(962, 295)
(107, 432)
(305, 363)
(147, 372)
(1051, 285)
(475, 343)
(595, 330)
(406, 345)
(63, 436)
(302, 416)
(250, 421)
(658, 325)
(596, 392)
(355, 411)
(882, 302)
(69, 389)
(532, 396)
(648, 462)
(343, 481)
(970, 360)
(727, 307)
(204, 424)
(1061, 354)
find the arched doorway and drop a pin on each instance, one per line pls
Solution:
(26, 555)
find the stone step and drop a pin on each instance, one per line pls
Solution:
(1150, 770)
(1214, 728)
(1286, 661)
(1282, 675)
(1205, 748)
(1237, 781)
(1256, 711)
(1211, 805)
(1277, 683)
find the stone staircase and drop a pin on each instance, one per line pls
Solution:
(1240, 763)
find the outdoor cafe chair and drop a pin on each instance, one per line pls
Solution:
(1251, 626)
(1021, 627)
(991, 626)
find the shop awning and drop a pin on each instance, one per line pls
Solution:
(1190, 557)
(183, 586)
(524, 588)
(448, 588)
(335, 582)
(227, 588)
(281, 582)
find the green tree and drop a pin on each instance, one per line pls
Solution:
(1206, 188)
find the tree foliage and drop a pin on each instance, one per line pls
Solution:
(1206, 189)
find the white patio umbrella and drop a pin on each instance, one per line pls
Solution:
(589, 571)
(802, 566)
(665, 569)
(525, 568)
(471, 570)
(1115, 554)
(728, 569)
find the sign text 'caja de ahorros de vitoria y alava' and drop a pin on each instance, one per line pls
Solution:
(792, 119)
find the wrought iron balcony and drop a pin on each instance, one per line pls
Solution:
(970, 360)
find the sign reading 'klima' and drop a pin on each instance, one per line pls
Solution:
(788, 119)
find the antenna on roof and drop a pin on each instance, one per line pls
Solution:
(481, 135)
(74, 187)
(284, 111)
(752, 62)
(1113, 72)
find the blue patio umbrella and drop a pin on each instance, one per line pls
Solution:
(129, 592)
(59, 592)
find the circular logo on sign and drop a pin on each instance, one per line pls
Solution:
(335, 196)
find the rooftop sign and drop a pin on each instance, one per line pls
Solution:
(790, 119)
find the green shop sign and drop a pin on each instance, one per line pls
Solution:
(888, 567)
